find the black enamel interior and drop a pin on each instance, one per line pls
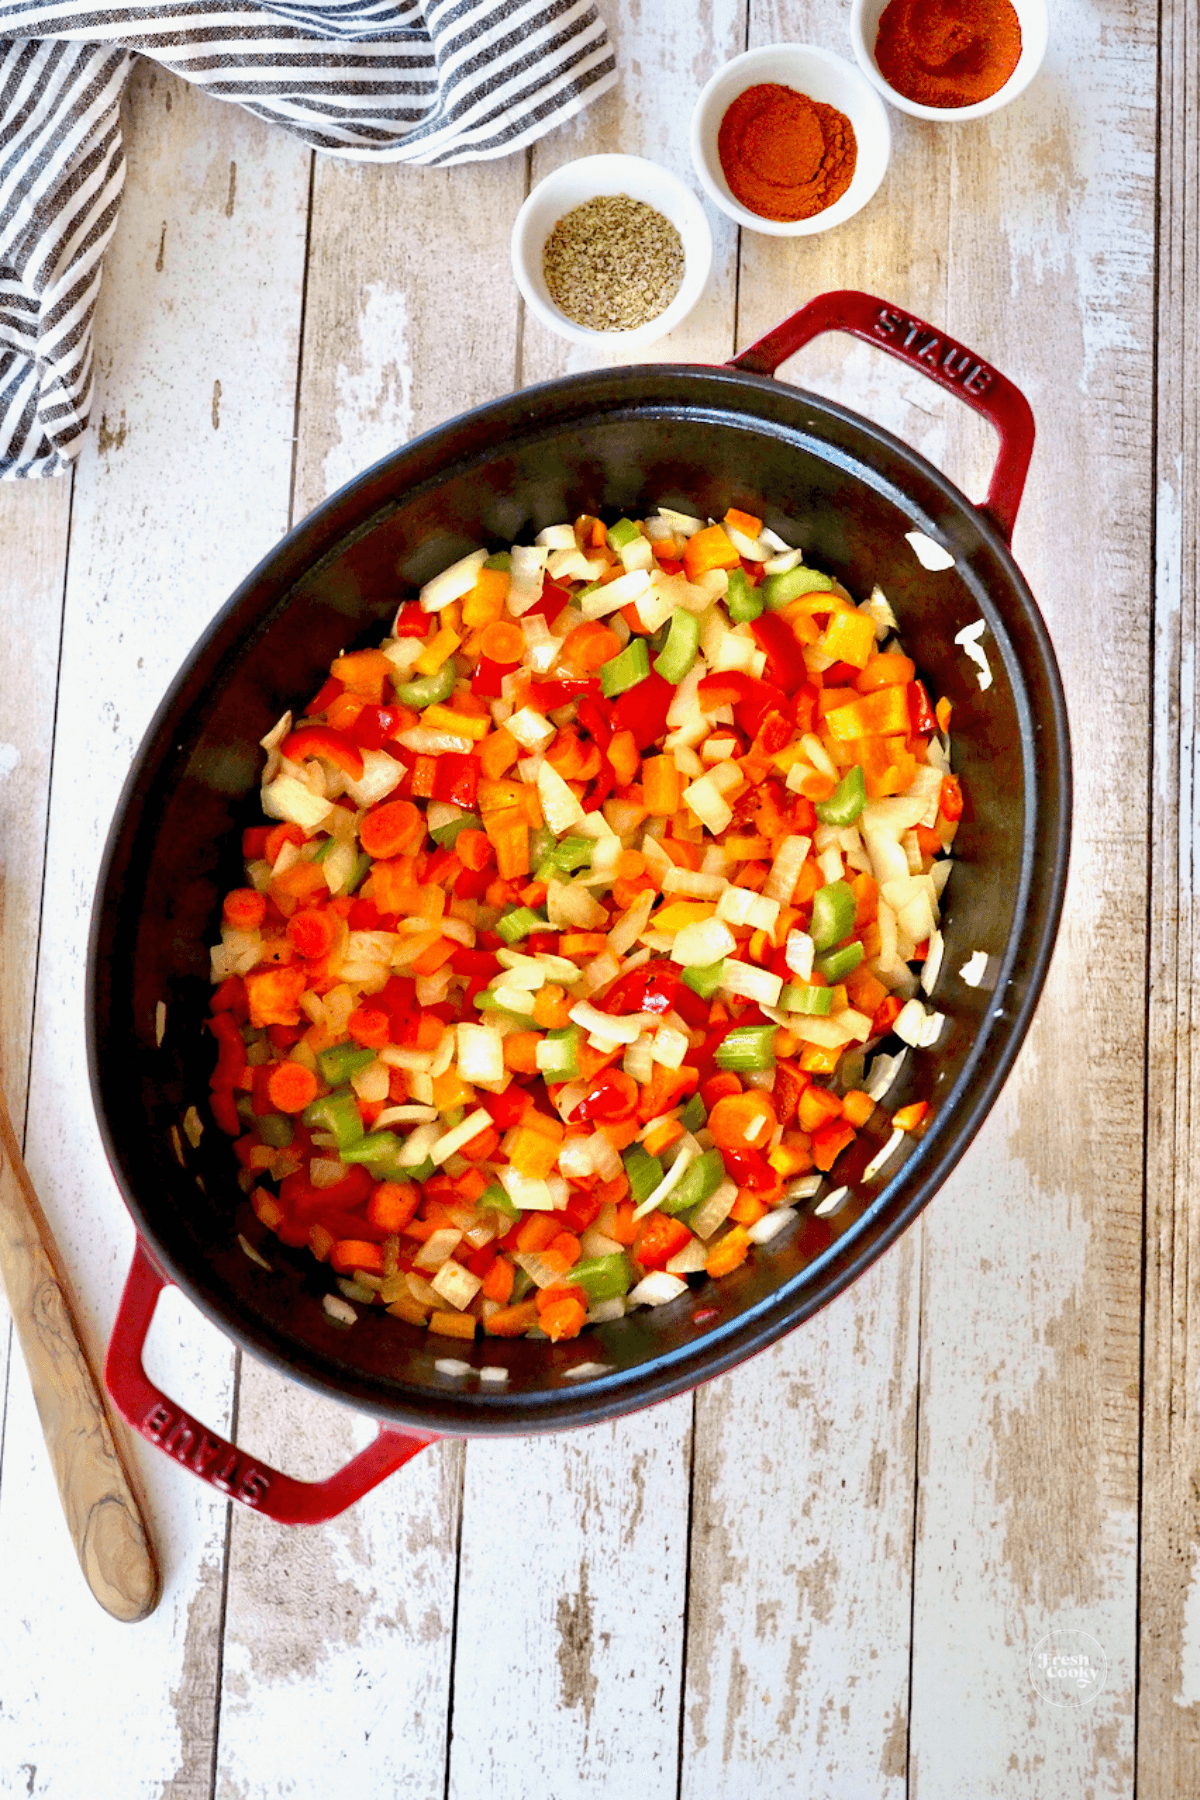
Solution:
(613, 442)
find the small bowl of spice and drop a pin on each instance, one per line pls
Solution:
(949, 60)
(611, 251)
(790, 139)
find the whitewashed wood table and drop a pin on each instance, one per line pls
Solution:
(823, 1575)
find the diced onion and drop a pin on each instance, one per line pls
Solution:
(291, 800)
(560, 808)
(381, 773)
(702, 944)
(453, 582)
(472, 1125)
(883, 1155)
(531, 730)
(770, 1225)
(751, 982)
(975, 968)
(656, 1289)
(526, 572)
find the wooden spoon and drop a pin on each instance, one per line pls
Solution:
(103, 1514)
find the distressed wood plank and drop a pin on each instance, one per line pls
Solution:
(800, 1596)
(802, 1553)
(1169, 1686)
(1030, 1352)
(569, 1656)
(392, 346)
(196, 353)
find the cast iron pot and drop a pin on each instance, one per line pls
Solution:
(614, 441)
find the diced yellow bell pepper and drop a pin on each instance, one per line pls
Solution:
(444, 718)
(441, 645)
(485, 603)
(849, 637)
(682, 912)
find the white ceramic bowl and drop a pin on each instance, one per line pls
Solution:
(820, 75)
(573, 185)
(1035, 30)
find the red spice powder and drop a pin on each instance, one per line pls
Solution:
(948, 52)
(785, 156)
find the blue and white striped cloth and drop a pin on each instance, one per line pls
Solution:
(414, 81)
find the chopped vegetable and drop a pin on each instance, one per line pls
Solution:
(535, 1004)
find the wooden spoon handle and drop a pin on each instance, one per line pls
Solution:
(104, 1516)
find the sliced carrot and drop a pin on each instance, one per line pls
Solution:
(746, 523)
(743, 1121)
(312, 933)
(728, 1252)
(502, 642)
(452, 1324)
(392, 828)
(393, 1204)
(498, 752)
(512, 1321)
(520, 1052)
(624, 757)
(245, 908)
(370, 1026)
(565, 1319)
(537, 1231)
(907, 1118)
(498, 1282)
(356, 1253)
(277, 837)
(662, 1137)
(290, 1087)
(590, 645)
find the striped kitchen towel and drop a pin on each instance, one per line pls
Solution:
(415, 81)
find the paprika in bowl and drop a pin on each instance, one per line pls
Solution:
(949, 60)
(789, 140)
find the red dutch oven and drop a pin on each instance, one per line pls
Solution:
(613, 442)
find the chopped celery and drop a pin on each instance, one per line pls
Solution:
(498, 1198)
(603, 1277)
(542, 844)
(571, 854)
(622, 533)
(644, 1172)
(276, 1130)
(744, 602)
(517, 924)
(447, 835)
(625, 670)
(798, 997)
(487, 1002)
(832, 914)
(694, 1114)
(778, 590)
(322, 850)
(846, 801)
(747, 1047)
(343, 1061)
(679, 651)
(705, 980)
(382, 1150)
(699, 1181)
(558, 1058)
(428, 690)
(337, 1113)
(835, 965)
(501, 560)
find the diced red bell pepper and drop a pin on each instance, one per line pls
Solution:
(552, 602)
(364, 915)
(582, 1209)
(750, 1169)
(481, 1261)
(260, 1099)
(613, 1095)
(473, 884)
(920, 710)
(488, 677)
(412, 621)
(474, 962)
(254, 842)
(298, 1194)
(457, 780)
(752, 700)
(660, 1239)
(542, 943)
(508, 1108)
(804, 707)
(321, 740)
(225, 1112)
(325, 696)
(786, 667)
(440, 866)
(548, 696)
(231, 1051)
(602, 786)
(657, 987)
(230, 997)
(643, 710)
(840, 674)
(595, 718)
(374, 725)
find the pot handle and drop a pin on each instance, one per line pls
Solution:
(211, 1456)
(959, 370)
